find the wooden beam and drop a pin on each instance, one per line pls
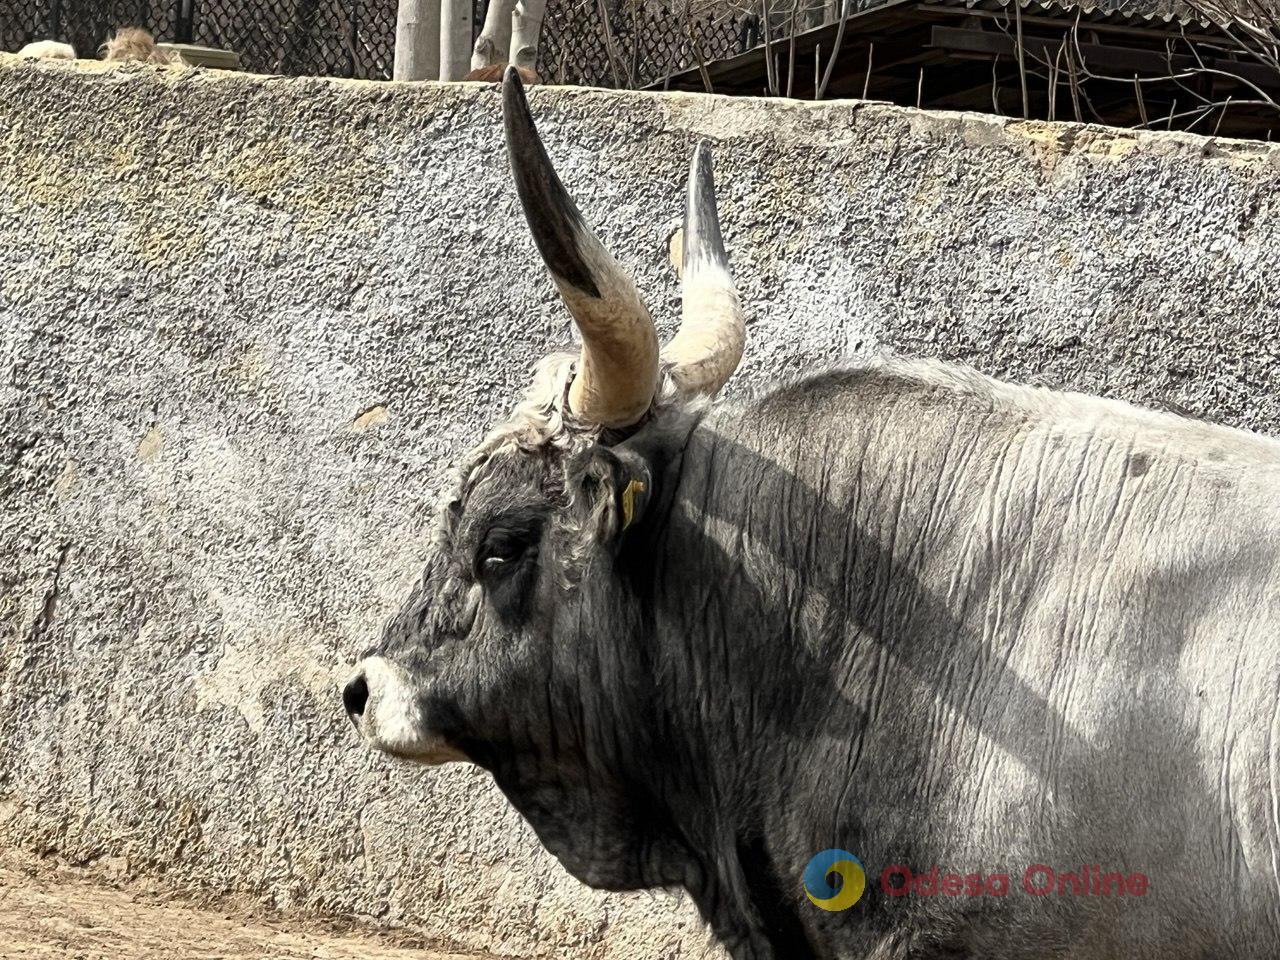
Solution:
(1122, 61)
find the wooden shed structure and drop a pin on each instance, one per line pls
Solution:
(1138, 63)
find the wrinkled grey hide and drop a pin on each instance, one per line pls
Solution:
(901, 610)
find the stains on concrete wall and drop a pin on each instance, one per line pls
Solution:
(246, 324)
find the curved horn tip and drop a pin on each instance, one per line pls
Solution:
(558, 229)
(702, 238)
(702, 181)
(701, 159)
(514, 104)
(511, 78)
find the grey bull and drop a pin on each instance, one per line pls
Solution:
(1016, 651)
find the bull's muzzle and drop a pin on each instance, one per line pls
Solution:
(385, 704)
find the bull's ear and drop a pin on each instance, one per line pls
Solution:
(619, 485)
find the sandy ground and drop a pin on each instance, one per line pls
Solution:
(51, 916)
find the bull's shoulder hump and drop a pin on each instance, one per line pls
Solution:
(842, 390)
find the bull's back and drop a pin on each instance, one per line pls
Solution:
(1077, 606)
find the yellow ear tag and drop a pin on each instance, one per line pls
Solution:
(629, 502)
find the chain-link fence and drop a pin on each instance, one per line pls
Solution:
(610, 43)
(339, 38)
(630, 43)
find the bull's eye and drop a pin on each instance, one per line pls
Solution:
(506, 563)
(495, 563)
(507, 552)
(500, 555)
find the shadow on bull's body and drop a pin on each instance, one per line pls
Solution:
(888, 692)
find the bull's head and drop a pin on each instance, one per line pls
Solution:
(523, 648)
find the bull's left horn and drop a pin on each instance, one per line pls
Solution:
(618, 370)
(708, 346)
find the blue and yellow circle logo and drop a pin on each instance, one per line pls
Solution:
(852, 880)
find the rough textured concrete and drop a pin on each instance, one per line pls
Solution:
(248, 322)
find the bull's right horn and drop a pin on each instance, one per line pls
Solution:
(618, 369)
(708, 346)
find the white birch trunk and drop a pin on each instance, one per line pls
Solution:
(455, 39)
(526, 26)
(417, 40)
(494, 42)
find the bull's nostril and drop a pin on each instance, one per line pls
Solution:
(355, 695)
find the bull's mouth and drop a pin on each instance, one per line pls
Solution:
(384, 705)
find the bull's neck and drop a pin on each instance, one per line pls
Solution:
(796, 552)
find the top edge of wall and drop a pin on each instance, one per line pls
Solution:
(717, 115)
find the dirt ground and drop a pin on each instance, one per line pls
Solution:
(43, 917)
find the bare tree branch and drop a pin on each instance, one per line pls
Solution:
(835, 51)
(1022, 63)
(791, 54)
(769, 65)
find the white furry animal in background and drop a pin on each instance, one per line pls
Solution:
(48, 50)
(134, 43)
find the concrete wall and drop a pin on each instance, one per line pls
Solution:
(248, 322)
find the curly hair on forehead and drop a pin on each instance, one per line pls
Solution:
(543, 419)
(543, 427)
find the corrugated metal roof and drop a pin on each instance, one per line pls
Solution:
(1148, 24)
(1166, 11)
